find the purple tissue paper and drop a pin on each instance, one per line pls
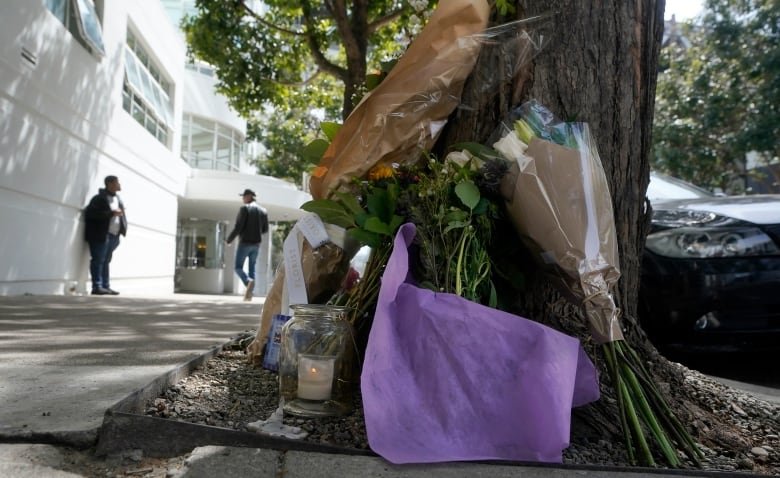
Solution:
(447, 379)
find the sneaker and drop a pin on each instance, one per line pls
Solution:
(112, 291)
(249, 290)
(101, 291)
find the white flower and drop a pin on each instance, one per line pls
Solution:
(461, 158)
(418, 5)
(510, 146)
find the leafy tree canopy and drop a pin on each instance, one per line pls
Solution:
(277, 60)
(719, 99)
(300, 53)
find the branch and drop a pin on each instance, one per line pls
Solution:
(297, 83)
(262, 21)
(319, 58)
(338, 9)
(383, 21)
(353, 31)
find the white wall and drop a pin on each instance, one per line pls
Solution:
(62, 129)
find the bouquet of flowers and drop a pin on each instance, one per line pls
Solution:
(405, 113)
(395, 123)
(441, 361)
(558, 198)
(449, 201)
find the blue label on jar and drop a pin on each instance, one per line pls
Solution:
(273, 344)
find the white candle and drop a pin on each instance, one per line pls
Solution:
(315, 377)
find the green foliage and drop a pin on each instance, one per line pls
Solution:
(369, 216)
(454, 228)
(330, 129)
(314, 150)
(468, 193)
(454, 220)
(292, 56)
(331, 212)
(505, 7)
(720, 99)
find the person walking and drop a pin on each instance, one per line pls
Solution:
(251, 224)
(105, 221)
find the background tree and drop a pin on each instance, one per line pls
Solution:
(282, 56)
(719, 99)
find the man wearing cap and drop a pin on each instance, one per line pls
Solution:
(104, 222)
(251, 224)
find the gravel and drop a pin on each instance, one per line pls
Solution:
(736, 431)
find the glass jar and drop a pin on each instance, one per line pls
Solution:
(316, 362)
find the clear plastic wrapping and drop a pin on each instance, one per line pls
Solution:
(557, 196)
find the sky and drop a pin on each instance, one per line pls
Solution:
(682, 9)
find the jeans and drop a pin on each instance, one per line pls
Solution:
(101, 254)
(243, 252)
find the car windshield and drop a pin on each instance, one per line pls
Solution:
(666, 187)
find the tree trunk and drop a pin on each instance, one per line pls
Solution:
(599, 67)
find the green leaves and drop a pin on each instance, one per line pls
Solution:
(331, 212)
(350, 202)
(330, 129)
(369, 215)
(453, 230)
(313, 151)
(468, 193)
(504, 7)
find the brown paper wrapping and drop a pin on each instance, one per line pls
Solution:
(405, 114)
(558, 199)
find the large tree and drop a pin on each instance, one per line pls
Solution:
(718, 95)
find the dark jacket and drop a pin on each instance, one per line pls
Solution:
(97, 216)
(251, 224)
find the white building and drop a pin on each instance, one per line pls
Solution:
(88, 90)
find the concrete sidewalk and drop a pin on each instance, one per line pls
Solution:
(64, 360)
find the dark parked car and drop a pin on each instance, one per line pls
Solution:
(711, 269)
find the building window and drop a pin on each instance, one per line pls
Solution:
(206, 144)
(80, 17)
(202, 68)
(146, 94)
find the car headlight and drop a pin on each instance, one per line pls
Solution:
(706, 242)
(685, 217)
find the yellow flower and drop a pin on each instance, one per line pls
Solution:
(380, 171)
